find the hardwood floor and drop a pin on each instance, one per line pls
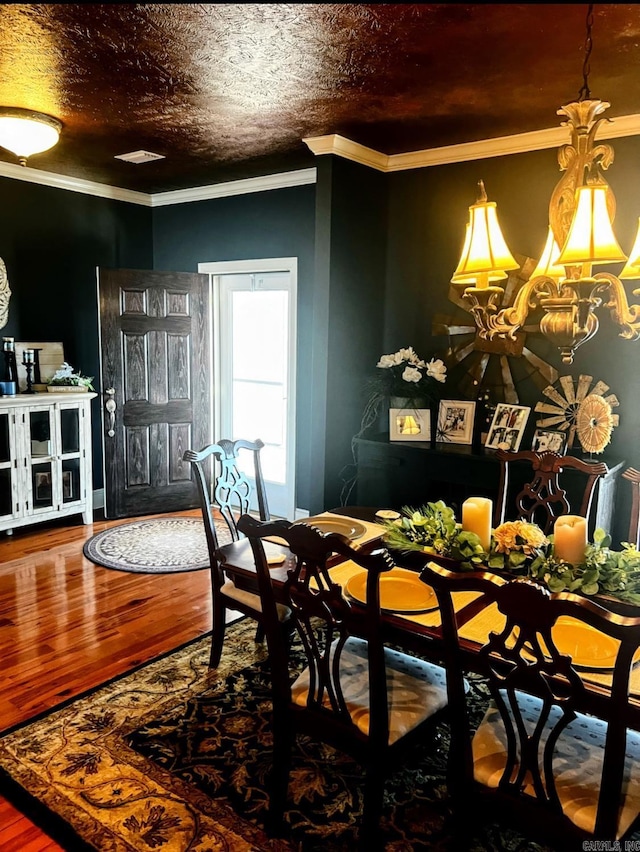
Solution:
(67, 625)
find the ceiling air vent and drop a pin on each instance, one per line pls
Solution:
(139, 157)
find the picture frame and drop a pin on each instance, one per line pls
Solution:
(409, 424)
(507, 427)
(455, 421)
(549, 441)
(42, 482)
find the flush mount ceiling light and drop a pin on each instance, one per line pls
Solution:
(25, 132)
(563, 284)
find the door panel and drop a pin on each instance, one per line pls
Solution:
(154, 330)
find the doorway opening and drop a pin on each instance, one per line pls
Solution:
(254, 365)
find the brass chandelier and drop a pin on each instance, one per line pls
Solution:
(562, 284)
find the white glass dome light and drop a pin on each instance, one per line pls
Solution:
(24, 132)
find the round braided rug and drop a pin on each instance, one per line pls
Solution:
(154, 546)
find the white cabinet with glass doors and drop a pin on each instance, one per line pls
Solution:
(45, 458)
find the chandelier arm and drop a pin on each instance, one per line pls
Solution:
(482, 302)
(615, 299)
(510, 319)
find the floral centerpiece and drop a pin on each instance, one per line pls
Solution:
(67, 377)
(519, 548)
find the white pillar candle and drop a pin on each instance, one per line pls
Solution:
(570, 539)
(476, 518)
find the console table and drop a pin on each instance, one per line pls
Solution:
(397, 473)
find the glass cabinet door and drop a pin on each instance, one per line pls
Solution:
(41, 464)
(8, 470)
(71, 483)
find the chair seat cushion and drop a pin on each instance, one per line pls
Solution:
(416, 689)
(230, 590)
(577, 766)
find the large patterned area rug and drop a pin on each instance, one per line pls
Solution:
(154, 546)
(174, 757)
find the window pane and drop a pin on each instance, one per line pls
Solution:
(258, 407)
(260, 335)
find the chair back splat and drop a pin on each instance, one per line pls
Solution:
(354, 693)
(544, 498)
(557, 757)
(227, 490)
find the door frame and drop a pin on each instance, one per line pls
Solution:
(250, 267)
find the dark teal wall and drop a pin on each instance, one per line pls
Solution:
(277, 223)
(351, 216)
(52, 240)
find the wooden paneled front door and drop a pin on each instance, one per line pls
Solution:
(156, 380)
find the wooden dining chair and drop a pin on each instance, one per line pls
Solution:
(224, 487)
(354, 693)
(544, 498)
(633, 476)
(552, 753)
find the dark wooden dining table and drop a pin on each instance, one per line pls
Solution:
(417, 633)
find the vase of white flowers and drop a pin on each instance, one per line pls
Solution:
(403, 380)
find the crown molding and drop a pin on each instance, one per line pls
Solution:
(235, 187)
(343, 147)
(625, 125)
(160, 199)
(85, 187)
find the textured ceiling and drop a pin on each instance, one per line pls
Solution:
(226, 91)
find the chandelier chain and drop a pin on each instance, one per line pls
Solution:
(585, 92)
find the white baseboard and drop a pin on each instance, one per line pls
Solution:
(300, 513)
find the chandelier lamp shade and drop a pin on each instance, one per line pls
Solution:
(563, 285)
(25, 132)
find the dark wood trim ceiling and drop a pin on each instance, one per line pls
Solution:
(226, 91)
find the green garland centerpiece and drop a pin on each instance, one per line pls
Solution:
(433, 529)
(519, 548)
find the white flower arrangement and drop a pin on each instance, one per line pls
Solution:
(409, 375)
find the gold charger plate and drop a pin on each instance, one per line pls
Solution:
(588, 648)
(345, 526)
(400, 591)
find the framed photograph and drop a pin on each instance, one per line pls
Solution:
(507, 426)
(409, 424)
(455, 421)
(42, 483)
(549, 441)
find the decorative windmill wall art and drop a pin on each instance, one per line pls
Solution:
(580, 408)
(594, 423)
(493, 363)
